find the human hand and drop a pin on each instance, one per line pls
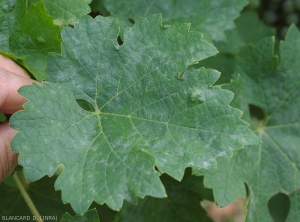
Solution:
(12, 77)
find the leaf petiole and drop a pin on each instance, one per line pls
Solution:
(27, 199)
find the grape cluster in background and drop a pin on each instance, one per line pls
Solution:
(278, 13)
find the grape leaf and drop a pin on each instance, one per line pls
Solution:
(146, 111)
(249, 29)
(273, 166)
(210, 17)
(182, 204)
(67, 13)
(89, 216)
(27, 34)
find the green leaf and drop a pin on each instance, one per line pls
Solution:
(28, 34)
(210, 17)
(250, 21)
(273, 166)
(147, 111)
(89, 216)
(227, 181)
(182, 204)
(67, 12)
(244, 33)
(249, 29)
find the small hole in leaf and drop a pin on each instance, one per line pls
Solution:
(256, 112)
(279, 207)
(85, 105)
(131, 20)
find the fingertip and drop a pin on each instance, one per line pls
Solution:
(8, 159)
(10, 100)
(11, 66)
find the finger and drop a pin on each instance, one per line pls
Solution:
(11, 66)
(10, 100)
(8, 159)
